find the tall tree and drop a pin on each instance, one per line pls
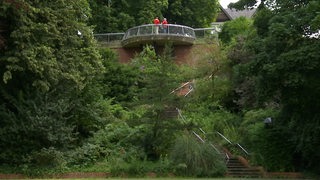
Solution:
(111, 16)
(119, 80)
(145, 11)
(232, 29)
(158, 77)
(117, 16)
(49, 61)
(284, 67)
(192, 13)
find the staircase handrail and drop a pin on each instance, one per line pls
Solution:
(243, 149)
(237, 144)
(199, 137)
(224, 137)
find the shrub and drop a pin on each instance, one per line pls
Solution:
(140, 168)
(43, 162)
(193, 158)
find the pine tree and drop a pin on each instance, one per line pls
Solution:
(158, 77)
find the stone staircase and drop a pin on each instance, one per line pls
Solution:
(239, 167)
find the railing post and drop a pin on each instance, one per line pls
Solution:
(152, 29)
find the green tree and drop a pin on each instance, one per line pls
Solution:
(192, 13)
(47, 68)
(235, 28)
(119, 80)
(158, 77)
(111, 16)
(118, 16)
(284, 69)
(145, 11)
(235, 35)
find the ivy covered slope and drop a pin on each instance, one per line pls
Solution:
(47, 68)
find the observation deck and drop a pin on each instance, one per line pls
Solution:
(183, 38)
(158, 35)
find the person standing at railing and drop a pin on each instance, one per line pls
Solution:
(165, 25)
(156, 23)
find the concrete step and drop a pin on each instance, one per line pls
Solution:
(235, 168)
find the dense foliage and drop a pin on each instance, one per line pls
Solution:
(196, 14)
(67, 105)
(279, 64)
(118, 16)
(158, 77)
(47, 66)
(194, 158)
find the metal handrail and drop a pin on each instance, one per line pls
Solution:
(109, 37)
(244, 150)
(198, 136)
(237, 144)
(224, 138)
(149, 29)
(221, 135)
(167, 29)
(202, 33)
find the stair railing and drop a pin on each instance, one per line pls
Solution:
(224, 137)
(199, 137)
(243, 149)
(237, 144)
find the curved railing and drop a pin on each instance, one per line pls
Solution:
(148, 32)
(109, 37)
(143, 34)
(168, 29)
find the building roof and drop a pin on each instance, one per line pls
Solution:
(233, 13)
(230, 14)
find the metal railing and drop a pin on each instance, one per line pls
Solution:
(246, 153)
(151, 29)
(168, 29)
(109, 37)
(199, 137)
(206, 32)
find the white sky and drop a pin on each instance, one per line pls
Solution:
(224, 3)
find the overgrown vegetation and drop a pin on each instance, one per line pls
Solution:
(194, 158)
(68, 105)
(275, 65)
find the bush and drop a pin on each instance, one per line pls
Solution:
(43, 162)
(269, 144)
(193, 158)
(140, 168)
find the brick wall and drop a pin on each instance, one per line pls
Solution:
(181, 54)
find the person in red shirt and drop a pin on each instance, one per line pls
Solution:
(156, 22)
(165, 25)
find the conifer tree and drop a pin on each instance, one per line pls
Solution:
(158, 77)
